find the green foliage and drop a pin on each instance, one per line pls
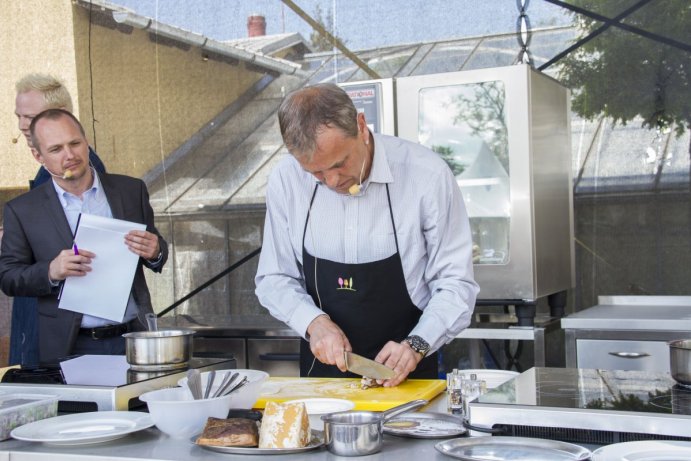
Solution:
(446, 153)
(320, 42)
(621, 75)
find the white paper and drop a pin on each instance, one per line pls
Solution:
(103, 292)
(95, 370)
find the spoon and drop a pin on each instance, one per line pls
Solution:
(209, 383)
(194, 383)
(152, 321)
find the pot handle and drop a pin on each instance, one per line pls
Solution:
(400, 409)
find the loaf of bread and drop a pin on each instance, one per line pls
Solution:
(284, 425)
(233, 432)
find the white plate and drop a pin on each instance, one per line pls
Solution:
(84, 428)
(316, 442)
(647, 450)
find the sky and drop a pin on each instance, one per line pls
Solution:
(362, 24)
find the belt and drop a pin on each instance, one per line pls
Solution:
(108, 331)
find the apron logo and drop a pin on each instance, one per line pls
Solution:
(345, 284)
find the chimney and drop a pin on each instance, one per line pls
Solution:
(256, 25)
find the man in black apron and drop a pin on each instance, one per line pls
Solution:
(367, 307)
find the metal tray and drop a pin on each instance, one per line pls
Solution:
(425, 425)
(512, 448)
(316, 442)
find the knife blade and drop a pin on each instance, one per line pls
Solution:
(365, 367)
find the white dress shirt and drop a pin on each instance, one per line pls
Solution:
(93, 201)
(431, 225)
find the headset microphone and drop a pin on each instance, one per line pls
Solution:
(66, 175)
(15, 140)
(355, 188)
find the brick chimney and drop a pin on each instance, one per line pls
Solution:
(256, 25)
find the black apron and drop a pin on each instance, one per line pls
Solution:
(368, 301)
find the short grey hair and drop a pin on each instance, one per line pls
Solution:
(304, 113)
(54, 92)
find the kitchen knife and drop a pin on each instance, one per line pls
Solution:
(366, 367)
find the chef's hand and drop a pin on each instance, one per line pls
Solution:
(143, 243)
(327, 341)
(399, 356)
(67, 264)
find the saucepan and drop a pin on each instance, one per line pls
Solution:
(680, 361)
(158, 350)
(358, 433)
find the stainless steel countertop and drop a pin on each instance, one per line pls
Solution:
(152, 444)
(231, 325)
(659, 313)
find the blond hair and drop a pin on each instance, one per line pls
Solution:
(53, 90)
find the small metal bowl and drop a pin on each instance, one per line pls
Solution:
(158, 350)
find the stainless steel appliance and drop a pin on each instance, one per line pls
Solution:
(587, 406)
(99, 382)
(505, 134)
(627, 332)
(257, 342)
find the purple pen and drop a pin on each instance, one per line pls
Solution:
(76, 250)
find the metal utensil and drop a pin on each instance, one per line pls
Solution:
(366, 367)
(194, 383)
(242, 382)
(152, 321)
(209, 383)
(226, 384)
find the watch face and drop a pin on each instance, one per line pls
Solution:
(418, 344)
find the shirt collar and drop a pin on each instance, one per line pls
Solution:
(381, 171)
(62, 193)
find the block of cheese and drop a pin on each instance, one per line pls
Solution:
(233, 432)
(284, 425)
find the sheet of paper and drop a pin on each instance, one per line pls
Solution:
(95, 370)
(104, 291)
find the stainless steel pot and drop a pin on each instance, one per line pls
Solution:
(158, 350)
(680, 360)
(358, 433)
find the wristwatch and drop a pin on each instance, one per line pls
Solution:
(417, 344)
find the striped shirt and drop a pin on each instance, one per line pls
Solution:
(431, 225)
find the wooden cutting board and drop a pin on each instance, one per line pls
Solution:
(374, 399)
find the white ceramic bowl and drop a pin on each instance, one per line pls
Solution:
(177, 414)
(318, 407)
(245, 397)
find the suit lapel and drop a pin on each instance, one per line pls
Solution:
(113, 195)
(54, 209)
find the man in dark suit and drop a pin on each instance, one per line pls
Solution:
(37, 256)
(35, 93)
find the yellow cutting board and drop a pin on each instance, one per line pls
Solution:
(374, 399)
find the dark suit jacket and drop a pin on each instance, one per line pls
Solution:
(36, 230)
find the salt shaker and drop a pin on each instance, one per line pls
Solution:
(454, 391)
